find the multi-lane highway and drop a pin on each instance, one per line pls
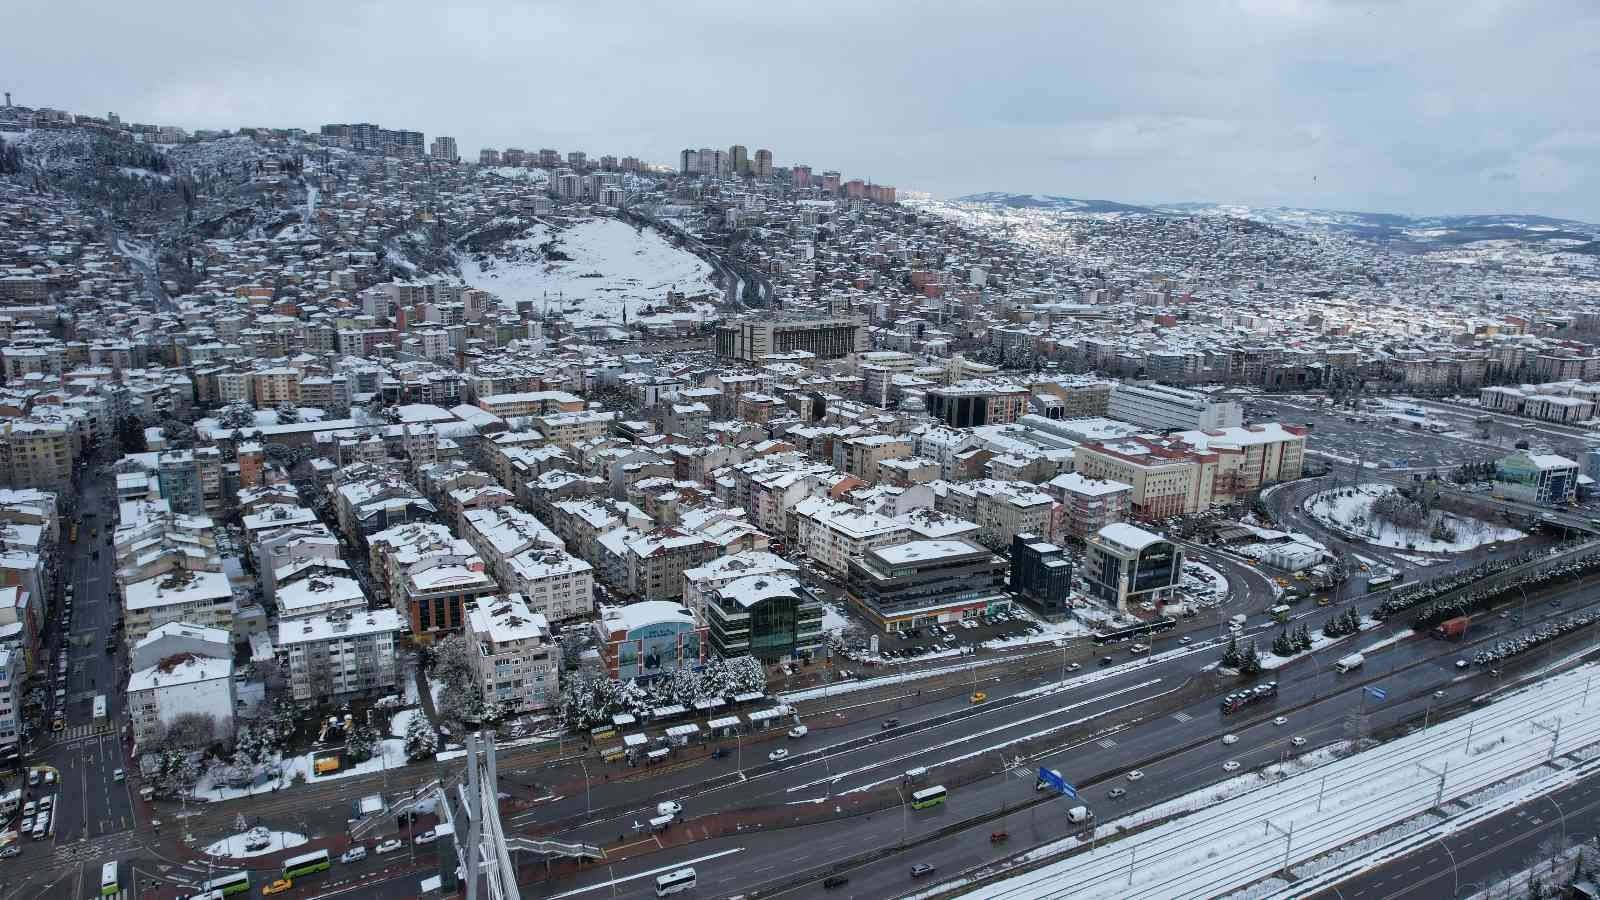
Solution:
(1094, 733)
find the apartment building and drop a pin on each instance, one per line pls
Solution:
(341, 655)
(13, 671)
(553, 582)
(195, 680)
(1087, 505)
(36, 454)
(1250, 457)
(516, 663)
(193, 597)
(832, 533)
(860, 456)
(656, 561)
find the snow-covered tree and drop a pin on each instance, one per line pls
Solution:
(237, 415)
(361, 743)
(421, 740)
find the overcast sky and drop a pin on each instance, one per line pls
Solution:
(1425, 107)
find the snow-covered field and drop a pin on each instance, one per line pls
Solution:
(1350, 510)
(610, 265)
(237, 846)
(1223, 846)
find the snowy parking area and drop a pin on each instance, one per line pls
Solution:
(255, 842)
(1224, 846)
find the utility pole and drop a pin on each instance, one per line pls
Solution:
(1555, 734)
(1438, 797)
(1288, 841)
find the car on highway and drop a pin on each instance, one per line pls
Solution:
(978, 697)
(279, 886)
(1462, 664)
(778, 754)
(1135, 775)
(835, 881)
(1280, 721)
(1230, 739)
(388, 846)
(1298, 741)
(921, 869)
(1105, 660)
(1438, 695)
(1185, 639)
(1116, 793)
(118, 775)
(799, 731)
(1074, 667)
(887, 724)
(1230, 766)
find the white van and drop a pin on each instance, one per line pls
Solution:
(671, 809)
(354, 854)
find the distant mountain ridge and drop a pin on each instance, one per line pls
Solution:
(1392, 228)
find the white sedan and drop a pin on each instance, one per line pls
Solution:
(1280, 721)
(778, 754)
(1135, 775)
(799, 731)
(1230, 766)
(1298, 741)
(1230, 739)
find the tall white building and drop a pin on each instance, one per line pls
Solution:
(444, 148)
(516, 663)
(340, 654)
(1172, 409)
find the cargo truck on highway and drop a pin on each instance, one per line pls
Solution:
(1238, 620)
(1452, 629)
(1079, 815)
(1353, 661)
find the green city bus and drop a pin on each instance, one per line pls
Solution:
(928, 797)
(296, 866)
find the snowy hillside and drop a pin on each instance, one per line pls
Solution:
(1050, 202)
(590, 269)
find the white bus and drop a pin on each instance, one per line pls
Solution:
(108, 879)
(100, 708)
(674, 882)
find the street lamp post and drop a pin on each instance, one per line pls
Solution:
(905, 817)
(1455, 869)
(587, 808)
(1563, 815)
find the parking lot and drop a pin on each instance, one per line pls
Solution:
(1375, 440)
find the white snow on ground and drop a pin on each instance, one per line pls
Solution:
(1350, 510)
(393, 756)
(1319, 642)
(1226, 845)
(235, 846)
(832, 619)
(401, 721)
(611, 265)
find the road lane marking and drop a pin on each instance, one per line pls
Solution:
(646, 874)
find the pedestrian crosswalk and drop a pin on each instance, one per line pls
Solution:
(1107, 743)
(1182, 717)
(81, 732)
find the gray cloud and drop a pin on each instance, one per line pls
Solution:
(1436, 106)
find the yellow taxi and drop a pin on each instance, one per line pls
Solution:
(979, 697)
(279, 886)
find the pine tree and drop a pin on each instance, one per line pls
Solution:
(421, 740)
(361, 744)
(1331, 628)
(1250, 663)
(1230, 654)
(1282, 645)
(1304, 637)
